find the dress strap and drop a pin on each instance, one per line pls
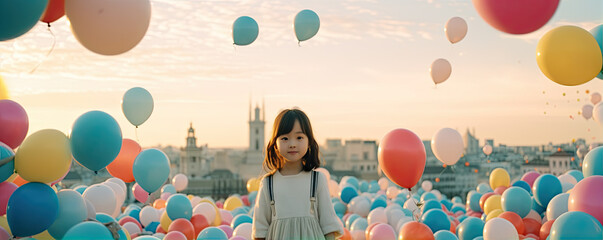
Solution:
(313, 184)
(271, 194)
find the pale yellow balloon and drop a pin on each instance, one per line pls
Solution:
(232, 202)
(499, 177)
(494, 214)
(492, 203)
(44, 156)
(4, 224)
(218, 218)
(253, 184)
(43, 236)
(165, 221)
(3, 90)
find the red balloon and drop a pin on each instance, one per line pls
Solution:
(586, 197)
(532, 226)
(54, 10)
(516, 16)
(415, 231)
(516, 220)
(402, 157)
(14, 123)
(121, 167)
(545, 229)
(245, 200)
(160, 229)
(199, 223)
(184, 226)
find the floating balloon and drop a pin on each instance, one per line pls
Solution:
(180, 181)
(18, 17)
(586, 196)
(137, 105)
(516, 16)
(598, 113)
(108, 27)
(587, 111)
(102, 198)
(14, 122)
(95, 140)
(253, 184)
(440, 70)
(44, 156)
(244, 31)
(32, 208)
(402, 157)
(569, 55)
(54, 11)
(545, 188)
(517, 200)
(179, 206)
(306, 25)
(595, 98)
(487, 149)
(151, 169)
(499, 228)
(447, 145)
(456, 29)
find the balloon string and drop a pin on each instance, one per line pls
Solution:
(299, 43)
(54, 41)
(234, 47)
(136, 133)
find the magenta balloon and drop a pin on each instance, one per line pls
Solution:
(586, 197)
(6, 190)
(516, 16)
(13, 123)
(530, 177)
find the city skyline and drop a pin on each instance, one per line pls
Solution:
(364, 74)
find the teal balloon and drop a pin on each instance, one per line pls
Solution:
(517, 200)
(86, 229)
(364, 186)
(351, 219)
(359, 224)
(151, 169)
(72, 210)
(545, 188)
(31, 209)
(339, 207)
(576, 225)
(306, 25)
(428, 196)
(473, 202)
(95, 140)
(252, 196)
(483, 188)
(524, 185)
(470, 228)
(105, 218)
(597, 32)
(179, 206)
(7, 169)
(378, 202)
(240, 219)
(444, 235)
(431, 204)
(137, 105)
(244, 31)
(17, 17)
(347, 193)
(436, 220)
(212, 233)
(593, 162)
(169, 188)
(152, 227)
(576, 174)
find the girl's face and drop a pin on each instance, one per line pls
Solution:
(293, 145)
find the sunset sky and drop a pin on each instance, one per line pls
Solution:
(365, 73)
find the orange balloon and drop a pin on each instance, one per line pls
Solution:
(121, 167)
(184, 226)
(199, 223)
(532, 226)
(19, 181)
(346, 235)
(402, 157)
(54, 10)
(159, 204)
(516, 220)
(415, 231)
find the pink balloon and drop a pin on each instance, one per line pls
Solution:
(14, 123)
(126, 219)
(165, 195)
(530, 177)
(6, 190)
(4, 234)
(586, 197)
(238, 238)
(140, 194)
(219, 204)
(500, 190)
(382, 232)
(516, 16)
(226, 216)
(245, 200)
(227, 229)
(174, 235)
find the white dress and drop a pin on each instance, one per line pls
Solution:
(293, 218)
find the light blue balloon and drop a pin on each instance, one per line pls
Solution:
(470, 228)
(137, 105)
(147, 238)
(364, 186)
(351, 219)
(179, 206)
(378, 202)
(458, 208)
(7, 169)
(239, 219)
(151, 169)
(431, 204)
(457, 199)
(444, 235)
(557, 206)
(374, 187)
(168, 188)
(517, 200)
(339, 207)
(576, 174)
(95, 140)
(72, 210)
(18, 17)
(597, 32)
(306, 25)
(86, 229)
(545, 188)
(31, 209)
(428, 196)
(407, 212)
(436, 220)
(353, 181)
(447, 203)
(576, 225)
(483, 188)
(244, 31)
(536, 207)
(212, 233)
(152, 227)
(80, 189)
(359, 224)
(420, 191)
(524, 185)
(252, 196)
(593, 162)
(473, 202)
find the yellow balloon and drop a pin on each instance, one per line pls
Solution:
(569, 55)
(4, 224)
(494, 214)
(165, 221)
(43, 236)
(218, 218)
(3, 90)
(492, 203)
(253, 184)
(232, 202)
(128, 237)
(499, 177)
(44, 156)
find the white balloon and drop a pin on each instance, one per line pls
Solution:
(132, 228)
(427, 185)
(595, 97)
(147, 215)
(566, 178)
(598, 113)
(325, 172)
(358, 235)
(180, 182)
(447, 145)
(207, 210)
(411, 204)
(90, 209)
(392, 192)
(403, 220)
(500, 229)
(440, 70)
(437, 193)
(582, 151)
(557, 206)
(243, 230)
(394, 216)
(383, 183)
(360, 205)
(377, 215)
(487, 149)
(587, 111)
(196, 200)
(534, 215)
(102, 198)
(119, 182)
(119, 197)
(456, 29)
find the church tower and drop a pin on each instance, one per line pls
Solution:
(191, 140)
(256, 129)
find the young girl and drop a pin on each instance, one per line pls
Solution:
(293, 201)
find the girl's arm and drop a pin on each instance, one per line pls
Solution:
(329, 221)
(262, 213)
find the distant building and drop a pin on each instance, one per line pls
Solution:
(451, 181)
(471, 143)
(557, 164)
(194, 161)
(359, 156)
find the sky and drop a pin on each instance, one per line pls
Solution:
(365, 73)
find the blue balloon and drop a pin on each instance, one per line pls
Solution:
(7, 169)
(546, 187)
(483, 188)
(135, 213)
(31, 209)
(593, 162)
(252, 196)
(364, 186)
(244, 31)
(536, 207)
(407, 212)
(84, 230)
(151, 169)
(359, 224)
(479, 238)
(597, 32)
(457, 199)
(239, 219)
(576, 174)
(105, 218)
(378, 202)
(458, 208)
(237, 211)
(470, 228)
(431, 204)
(347, 193)
(350, 220)
(374, 187)
(80, 189)
(339, 207)
(428, 196)
(446, 203)
(436, 220)
(444, 235)
(137, 105)
(473, 202)
(524, 185)
(557, 206)
(18, 17)
(517, 200)
(306, 25)
(402, 196)
(168, 188)
(353, 181)
(179, 206)
(576, 225)
(152, 227)
(72, 210)
(95, 140)
(420, 191)
(212, 233)
(399, 201)
(462, 218)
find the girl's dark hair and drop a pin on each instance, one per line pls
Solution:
(283, 124)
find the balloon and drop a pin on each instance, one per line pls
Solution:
(473, 201)
(470, 228)
(151, 169)
(184, 226)
(576, 225)
(180, 181)
(240, 219)
(168, 188)
(95, 140)
(14, 122)
(595, 97)
(532, 225)
(137, 105)
(444, 235)
(306, 25)
(447, 146)
(517, 200)
(440, 70)
(569, 55)
(347, 194)
(174, 235)
(232, 202)
(243, 230)
(456, 29)
(102, 198)
(516, 16)
(108, 27)
(54, 11)
(576, 174)
(545, 230)
(530, 177)
(148, 215)
(499, 177)
(244, 31)
(84, 230)
(593, 162)
(44, 156)
(499, 228)
(165, 221)
(3, 90)
(32, 201)
(402, 157)
(487, 150)
(587, 111)
(6, 170)
(416, 231)
(597, 116)
(6, 190)
(140, 194)
(523, 184)
(382, 231)
(484, 188)
(492, 203)
(18, 17)
(597, 32)
(72, 210)
(121, 167)
(557, 206)
(545, 188)
(212, 233)
(179, 206)
(586, 197)
(436, 220)
(514, 219)
(199, 223)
